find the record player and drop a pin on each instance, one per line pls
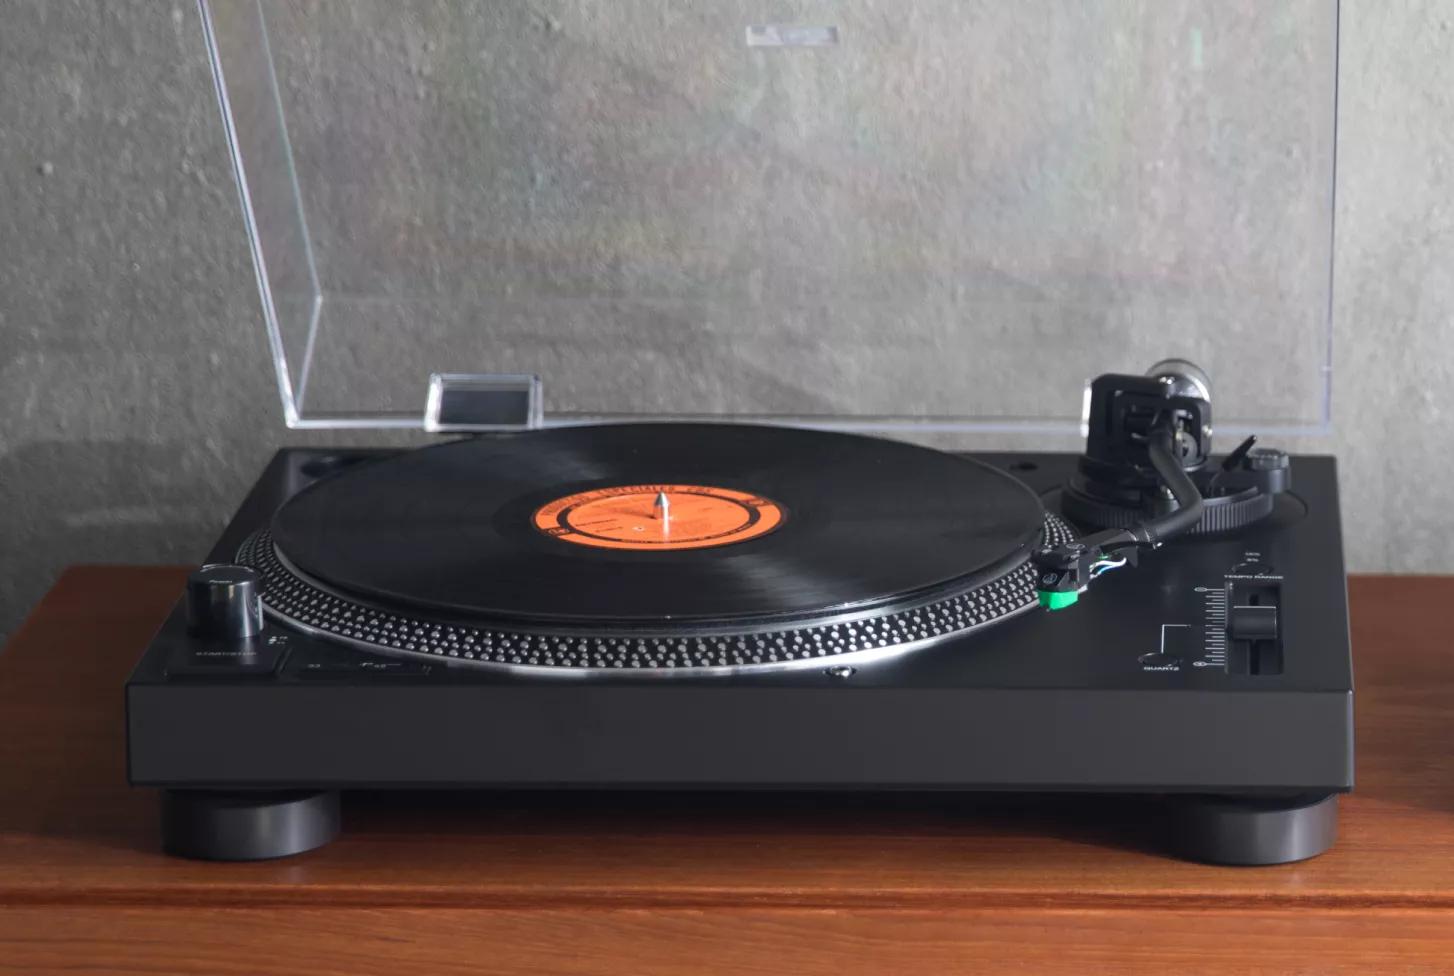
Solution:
(721, 272)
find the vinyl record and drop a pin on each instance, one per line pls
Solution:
(658, 524)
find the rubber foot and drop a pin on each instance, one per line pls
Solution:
(247, 826)
(1253, 831)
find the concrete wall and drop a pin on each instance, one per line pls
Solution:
(136, 397)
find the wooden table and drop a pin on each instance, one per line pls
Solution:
(769, 885)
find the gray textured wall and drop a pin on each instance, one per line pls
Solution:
(136, 400)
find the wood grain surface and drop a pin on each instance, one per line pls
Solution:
(445, 883)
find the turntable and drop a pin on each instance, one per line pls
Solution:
(717, 563)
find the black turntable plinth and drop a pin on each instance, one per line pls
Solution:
(697, 607)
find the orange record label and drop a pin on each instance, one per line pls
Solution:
(658, 517)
